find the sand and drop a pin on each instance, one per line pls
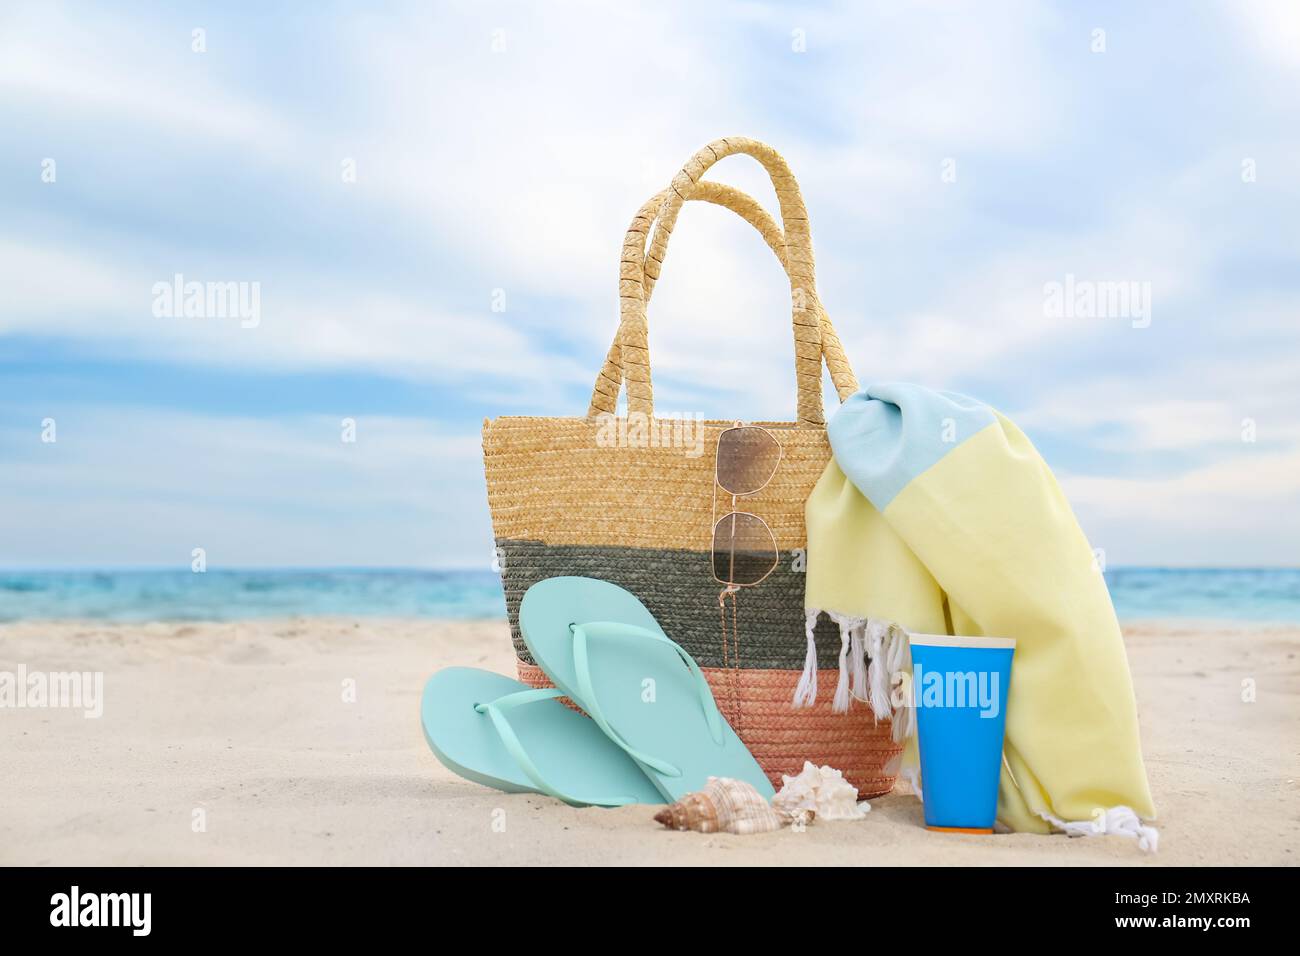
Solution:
(232, 743)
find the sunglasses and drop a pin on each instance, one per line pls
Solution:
(744, 549)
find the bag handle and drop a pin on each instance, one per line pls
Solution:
(806, 309)
(604, 397)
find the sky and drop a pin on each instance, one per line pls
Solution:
(430, 199)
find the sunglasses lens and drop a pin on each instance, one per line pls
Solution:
(744, 550)
(747, 459)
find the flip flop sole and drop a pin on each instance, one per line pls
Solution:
(569, 750)
(647, 694)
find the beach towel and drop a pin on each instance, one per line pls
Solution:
(938, 516)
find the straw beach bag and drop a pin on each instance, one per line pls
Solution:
(565, 500)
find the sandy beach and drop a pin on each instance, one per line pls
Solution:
(297, 741)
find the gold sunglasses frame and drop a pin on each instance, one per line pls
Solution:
(734, 512)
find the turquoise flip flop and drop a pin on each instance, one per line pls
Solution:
(504, 734)
(600, 645)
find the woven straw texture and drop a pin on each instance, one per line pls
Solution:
(597, 497)
(676, 586)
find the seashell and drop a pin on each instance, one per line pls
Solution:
(723, 806)
(819, 792)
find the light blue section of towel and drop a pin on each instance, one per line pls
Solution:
(886, 435)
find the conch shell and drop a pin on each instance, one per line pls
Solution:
(818, 792)
(723, 806)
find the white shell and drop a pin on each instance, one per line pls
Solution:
(723, 806)
(819, 792)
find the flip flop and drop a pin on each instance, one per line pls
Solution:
(605, 651)
(507, 735)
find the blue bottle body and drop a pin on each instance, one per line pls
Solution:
(959, 687)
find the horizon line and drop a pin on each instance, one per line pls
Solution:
(462, 569)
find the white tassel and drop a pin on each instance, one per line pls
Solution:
(877, 672)
(858, 652)
(847, 625)
(897, 650)
(1120, 821)
(805, 693)
(873, 654)
(840, 703)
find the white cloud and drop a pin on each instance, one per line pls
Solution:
(89, 295)
(143, 486)
(968, 78)
(1203, 405)
(48, 286)
(974, 315)
(521, 170)
(91, 67)
(1273, 26)
(1141, 421)
(1244, 509)
(524, 167)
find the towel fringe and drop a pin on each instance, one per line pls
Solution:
(1117, 821)
(805, 693)
(840, 702)
(877, 672)
(898, 667)
(873, 655)
(858, 686)
(847, 625)
(891, 657)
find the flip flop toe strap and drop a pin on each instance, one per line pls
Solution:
(582, 665)
(497, 709)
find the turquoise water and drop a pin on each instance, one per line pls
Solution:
(1261, 595)
(1236, 594)
(230, 595)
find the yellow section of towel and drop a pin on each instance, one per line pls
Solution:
(988, 529)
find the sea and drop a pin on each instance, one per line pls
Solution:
(1261, 595)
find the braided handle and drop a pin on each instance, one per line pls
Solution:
(639, 269)
(604, 398)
